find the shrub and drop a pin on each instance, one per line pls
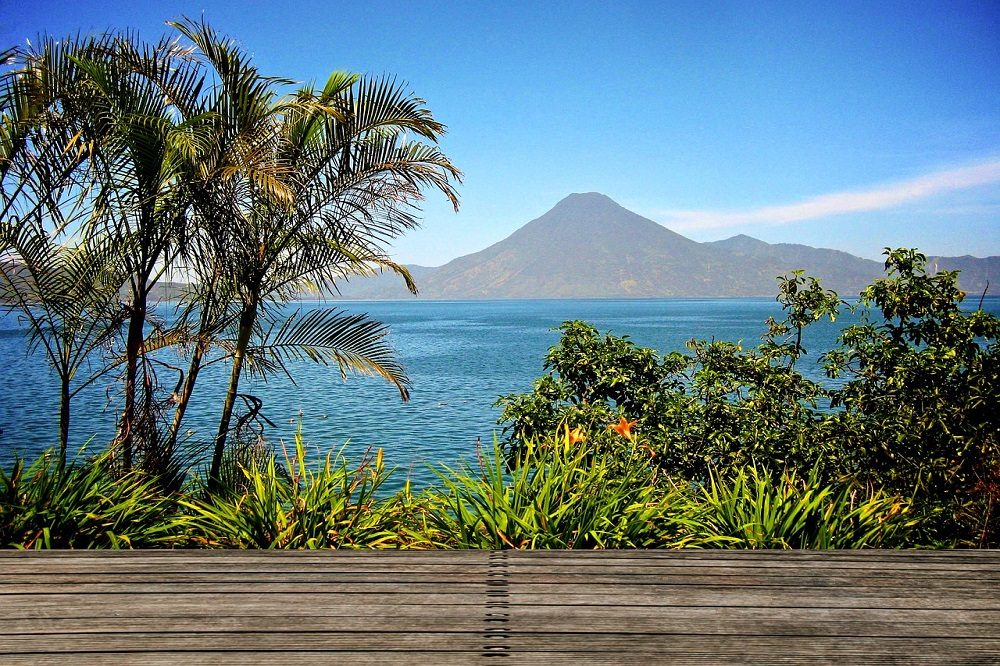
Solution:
(717, 407)
(917, 414)
(921, 401)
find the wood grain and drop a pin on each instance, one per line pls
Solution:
(544, 607)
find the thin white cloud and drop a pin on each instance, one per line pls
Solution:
(838, 203)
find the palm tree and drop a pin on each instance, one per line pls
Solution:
(43, 148)
(142, 140)
(67, 293)
(122, 104)
(69, 297)
(260, 196)
(307, 191)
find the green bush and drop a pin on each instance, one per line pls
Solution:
(561, 494)
(716, 408)
(918, 414)
(921, 407)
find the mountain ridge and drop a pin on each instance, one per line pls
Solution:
(588, 246)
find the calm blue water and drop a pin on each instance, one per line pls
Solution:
(460, 357)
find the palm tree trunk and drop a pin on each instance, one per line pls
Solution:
(133, 346)
(247, 319)
(63, 421)
(200, 349)
(186, 391)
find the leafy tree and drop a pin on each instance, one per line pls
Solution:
(717, 407)
(742, 406)
(66, 293)
(921, 400)
(916, 417)
(590, 379)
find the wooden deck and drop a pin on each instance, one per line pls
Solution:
(508, 607)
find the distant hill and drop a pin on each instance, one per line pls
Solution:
(166, 291)
(13, 268)
(589, 246)
(762, 262)
(978, 276)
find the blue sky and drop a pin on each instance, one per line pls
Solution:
(845, 125)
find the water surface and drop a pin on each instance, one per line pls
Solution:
(460, 356)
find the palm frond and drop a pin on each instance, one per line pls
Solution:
(354, 343)
(69, 294)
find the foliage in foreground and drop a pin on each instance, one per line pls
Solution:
(618, 447)
(562, 495)
(757, 509)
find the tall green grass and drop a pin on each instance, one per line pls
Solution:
(83, 505)
(295, 505)
(559, 493)
(757, 509)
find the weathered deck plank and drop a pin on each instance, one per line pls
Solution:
(516, 607)
(666, 619)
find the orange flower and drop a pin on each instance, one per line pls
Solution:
(576, 435)
(624, 427)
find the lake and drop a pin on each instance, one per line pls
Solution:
(460, 356)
